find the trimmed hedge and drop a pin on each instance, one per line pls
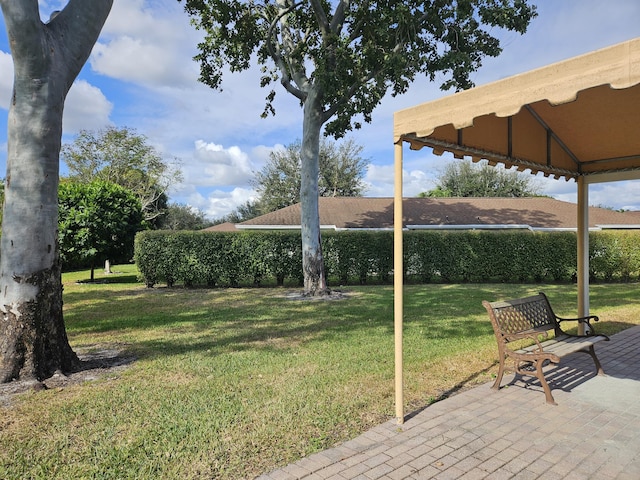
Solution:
(232, 259)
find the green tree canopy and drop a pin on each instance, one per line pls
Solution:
(248, 210)
(466, 179)
(124, 157)
(98, 221)
(179, 216)
(340, 58)
(341, 174)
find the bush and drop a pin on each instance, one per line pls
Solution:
(274, 257)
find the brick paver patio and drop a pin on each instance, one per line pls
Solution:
(593, 432)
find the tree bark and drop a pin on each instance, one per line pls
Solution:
(315, 282)
(47, 59)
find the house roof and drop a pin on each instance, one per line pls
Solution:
(377, 213)
(222, 227)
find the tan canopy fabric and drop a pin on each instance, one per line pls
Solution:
(573, 118)
(577, 119)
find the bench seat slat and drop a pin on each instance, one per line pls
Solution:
(565, 345)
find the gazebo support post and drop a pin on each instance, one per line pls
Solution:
(398, 274)
(583, 250)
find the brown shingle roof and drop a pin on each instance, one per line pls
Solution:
(222, 227)
(369, 212)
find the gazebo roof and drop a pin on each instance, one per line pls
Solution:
(579, 117)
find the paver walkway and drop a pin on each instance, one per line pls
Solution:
(593, 432)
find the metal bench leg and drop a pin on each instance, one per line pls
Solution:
(543, 382)
(592, 352)
(496, 384)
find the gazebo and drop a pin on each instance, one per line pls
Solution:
(577, 119)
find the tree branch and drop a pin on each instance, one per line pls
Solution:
(77, 26)
(321, 17)
(22, 21)
(339, 15)
(67, 39)
(357, 84)
(279, 59)
(397, 49)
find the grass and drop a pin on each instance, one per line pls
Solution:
(232, 383)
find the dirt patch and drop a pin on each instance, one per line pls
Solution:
(331, 295)
(97, 361)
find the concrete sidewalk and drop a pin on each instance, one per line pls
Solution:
(593, 432)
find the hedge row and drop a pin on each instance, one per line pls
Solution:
(253, 258)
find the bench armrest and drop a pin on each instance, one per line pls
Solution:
(586, 320)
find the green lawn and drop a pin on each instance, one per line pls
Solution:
(232, 383)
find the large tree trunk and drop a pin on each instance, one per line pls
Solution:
(315, 282)
(47, 59)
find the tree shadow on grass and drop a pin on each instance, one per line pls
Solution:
(217, 322)
(105, 279)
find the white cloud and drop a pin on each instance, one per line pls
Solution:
(562, 30)
(616, 195)
(219, 203)
(215, 165)
(183, 115)
(148, 46)
(261, 154)
(209, 164)
(415, 182)
(86, 108)
(139, 61)
(380, 181)
(6, 79)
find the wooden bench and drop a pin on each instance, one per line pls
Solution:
(532, 318)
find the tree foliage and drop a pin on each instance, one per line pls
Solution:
(465, 179)
(353, 52)
(179, 216)
(339, 59)
(341, 174)
(98, 221)
(124, 157)
(248, 210)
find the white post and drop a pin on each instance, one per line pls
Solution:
(398, 270)
(583, 250)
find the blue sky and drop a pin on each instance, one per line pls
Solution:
(141, 75)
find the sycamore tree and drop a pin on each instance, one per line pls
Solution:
(246, 211)
(47, 58)
(179, 216)
(339, 58)
(465, 179)
(122, 156)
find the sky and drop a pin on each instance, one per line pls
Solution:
(141, 75)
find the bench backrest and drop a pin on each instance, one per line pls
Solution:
(521, 315)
